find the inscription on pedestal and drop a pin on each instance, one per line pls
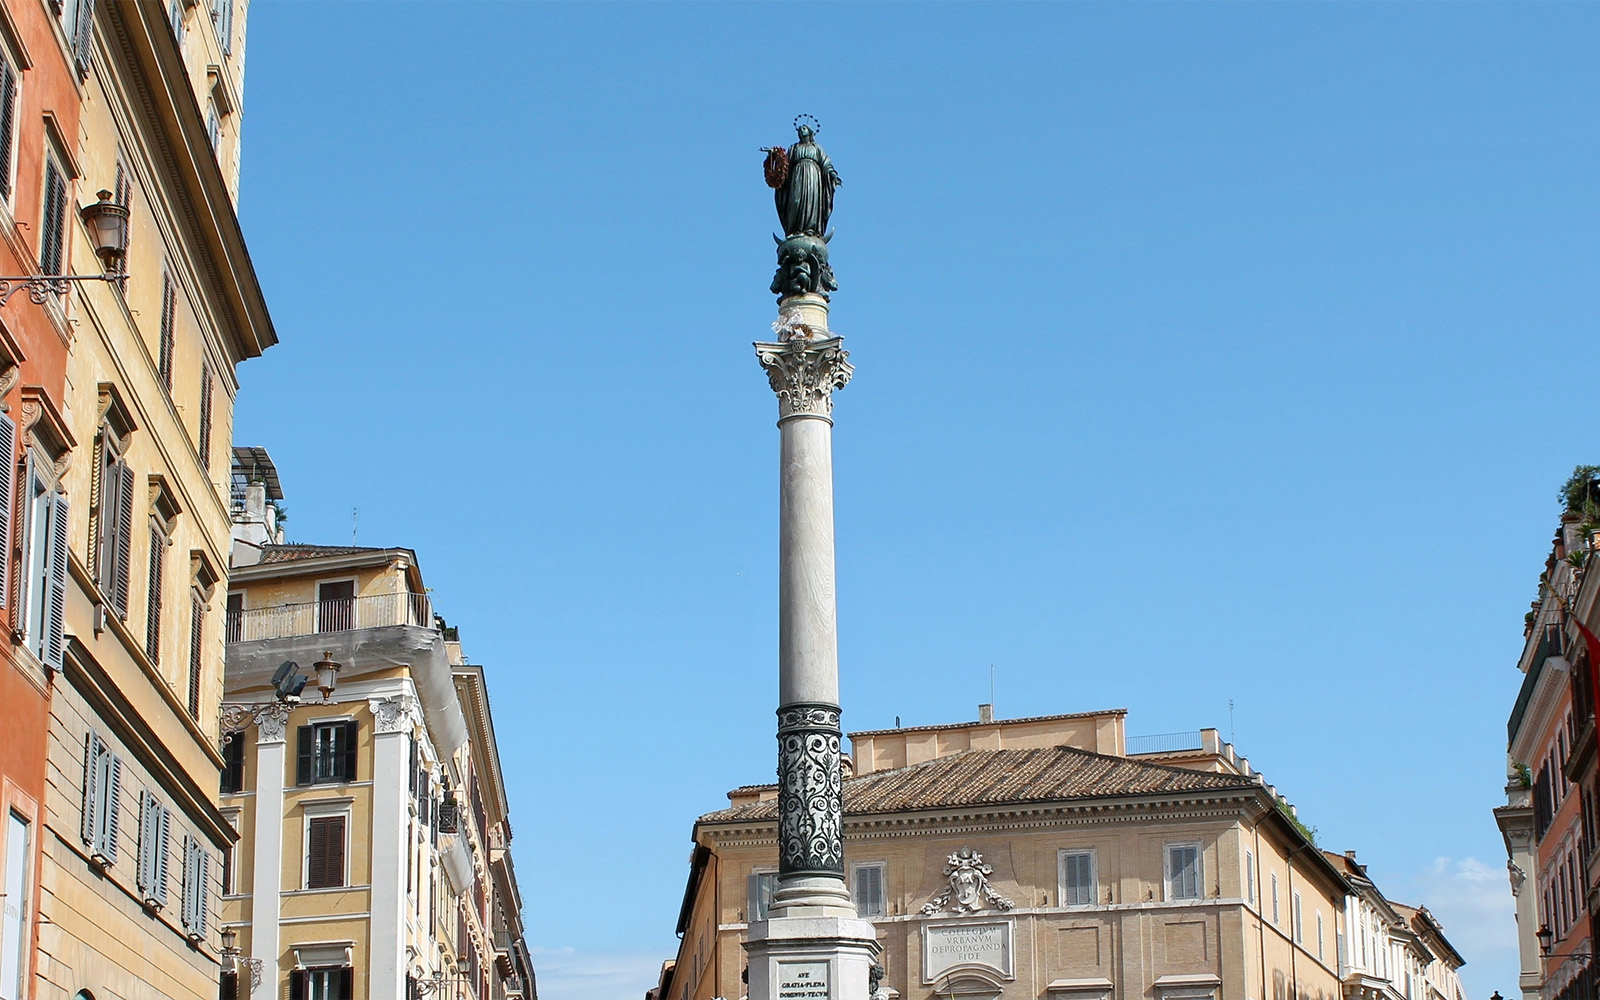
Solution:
(802, 981)
(947, 946)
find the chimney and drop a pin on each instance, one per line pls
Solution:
(985, 713)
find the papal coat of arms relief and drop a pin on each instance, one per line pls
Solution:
(969, 890)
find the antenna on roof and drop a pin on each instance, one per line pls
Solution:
(1230, 720)
(355, 522)
(991, 686)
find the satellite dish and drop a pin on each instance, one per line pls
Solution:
(287, 682)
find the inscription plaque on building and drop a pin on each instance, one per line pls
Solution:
(946, 946)
(802, 981)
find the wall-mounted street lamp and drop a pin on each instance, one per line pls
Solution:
(327, 675)
(233, 962)
(1547, 939)
(438, 981)
(107, 223)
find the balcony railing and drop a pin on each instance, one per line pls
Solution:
(1165, 743)
(338, 615)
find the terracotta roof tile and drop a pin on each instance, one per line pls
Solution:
(976, 777)
(290, 553)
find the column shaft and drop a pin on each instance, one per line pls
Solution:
(266, 883)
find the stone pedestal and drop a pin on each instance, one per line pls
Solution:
(812, 946)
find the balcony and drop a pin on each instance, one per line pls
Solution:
(340, 615)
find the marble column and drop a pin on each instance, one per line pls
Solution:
(812, 945)
(266, 882)
(394, 720)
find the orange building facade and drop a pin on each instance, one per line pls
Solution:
(39, 109)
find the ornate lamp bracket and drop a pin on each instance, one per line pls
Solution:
(271, 717)
(42, 286)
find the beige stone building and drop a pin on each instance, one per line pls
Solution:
(374, 853)
(122, 515)
(1038, 858)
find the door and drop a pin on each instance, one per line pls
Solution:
(336, 606)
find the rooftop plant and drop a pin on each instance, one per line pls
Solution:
(1581, 492)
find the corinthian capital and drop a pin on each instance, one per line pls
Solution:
(804, 373)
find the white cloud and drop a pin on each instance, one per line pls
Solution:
(1472, 901)
(570, 974)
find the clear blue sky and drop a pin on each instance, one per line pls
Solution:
(1205, 353)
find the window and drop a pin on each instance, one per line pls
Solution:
(325, 852)
(155, 822)
(77, 19)
(1299, 922)
(1249, 878)
(175, 15)
(1077, 878)
(213, 125)
(869, 890)
(45, 600)
(1274, 897)
(169, 310)
(9, 102)
(197, 635)
(102, 798)
(327, 753)
(233, 764)
(14, 917)
(112, 496)
(8, 472)
(227, 864)
(322, 984)
(152, 619)
(53, 223)
(336, 606)
(761, 887)
(234, 618)
(222, 16)
(196, 879)
(206, 391)
(1183, 871)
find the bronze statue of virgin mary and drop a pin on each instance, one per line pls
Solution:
(803, 179)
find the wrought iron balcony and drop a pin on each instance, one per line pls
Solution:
(342, 615)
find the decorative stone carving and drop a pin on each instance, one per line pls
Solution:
(10, 375)
(271, 719)
(969, 888)
(392, 715)
(805, 372)
(1518, 876)
(810, 799)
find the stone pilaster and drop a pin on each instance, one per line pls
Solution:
(394, 722)
(266, 885)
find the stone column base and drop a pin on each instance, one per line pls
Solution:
(811, 958)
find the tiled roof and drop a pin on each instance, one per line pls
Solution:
(981, 777)
(997, 722)
(291, 553)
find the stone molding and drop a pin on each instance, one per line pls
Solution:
(395, 714)
(804, 373)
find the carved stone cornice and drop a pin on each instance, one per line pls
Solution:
(804, 373)
(396, 714)
(270, 718)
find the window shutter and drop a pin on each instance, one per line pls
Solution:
(202, 888)
(8, 440)
(197, 630)
(113, 807)
(124, 519)
(163, 840)
(51, 234)
(147, 844)
(83, 40)
(297, 984)
(233, 764)
(169, 305)
(230, 986)
(317, 854)
(152, 624)
(91, 783)
(56, 595)
(205, 413)
(414, 756)
(302, 771)
(103, 499)
(186, 917)
(8, 121)
(347, 983)
(334, 871)
(351, 730)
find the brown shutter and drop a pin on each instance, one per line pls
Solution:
(297, 984)
(152, 622)
(124, 536)
(205, 417)
(197, 630)
(336, 850)
(317, 855)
